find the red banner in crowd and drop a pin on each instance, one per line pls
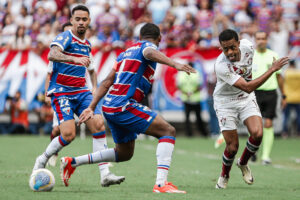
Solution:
(26, 71)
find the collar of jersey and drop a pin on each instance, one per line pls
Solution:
(83, 41)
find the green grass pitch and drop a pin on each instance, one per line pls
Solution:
(195, 168)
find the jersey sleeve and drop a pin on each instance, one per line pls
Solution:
(246, 43)
(223, 72)
(146, 46)
(63, 40)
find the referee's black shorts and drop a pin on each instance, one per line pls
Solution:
(267, 102)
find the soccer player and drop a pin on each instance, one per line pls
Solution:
(235, 100)
(266, 94)
(55, 127)
(70, 54)
(127, 84)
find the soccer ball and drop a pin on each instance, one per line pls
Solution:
(41, 180)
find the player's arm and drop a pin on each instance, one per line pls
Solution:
(280, 81)
(101, 91)
(93, 77)
(250, 86)
(56, 55)
(156, 56)
(47, 99)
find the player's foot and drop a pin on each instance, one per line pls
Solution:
(266, 162)
(111, 179)
(167, 188)
(219, 141)
(222, 182)
(170, 183)
(52, 160)
(66, 169)
(38, 164)
(247, 175)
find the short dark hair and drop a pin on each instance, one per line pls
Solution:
(261, 31)
(65, 25)
(150, 30)
(228, 34)
(80, 7)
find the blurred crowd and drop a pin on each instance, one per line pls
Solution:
(192, 24)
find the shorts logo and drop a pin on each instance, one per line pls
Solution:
(223, 121)
(66, 110)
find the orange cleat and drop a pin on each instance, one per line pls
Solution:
(167, 188)
(66, 169)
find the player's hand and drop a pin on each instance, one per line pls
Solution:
(47, 100)
(185, 67)
(85, 115)
(278, 64)
(85, 61)
(283, 103)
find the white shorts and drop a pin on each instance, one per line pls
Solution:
(229, 114)
(55, 121)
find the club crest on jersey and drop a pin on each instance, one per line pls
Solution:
(59, 38)
(66, 110)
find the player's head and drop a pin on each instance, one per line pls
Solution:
(229, 41)
(80, 19)
(150, 32)
(66, 26)
(261, 39)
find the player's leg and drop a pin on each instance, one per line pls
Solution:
(267, 142)
(228, 120)
(187, 111)
(200, 122)
(254, 126)
(62, 108)
(166, 135)
(55, 132)
(232, 145)
(270, 103)
(68, 133)
(96, 126)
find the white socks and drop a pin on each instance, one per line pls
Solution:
(107, 155)
(164, 152)
(100, 143)
(55, 146)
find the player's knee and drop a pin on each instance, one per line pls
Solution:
(233, 148)
(99, 126)
(68, 136)
(171, 131)
(124, 156)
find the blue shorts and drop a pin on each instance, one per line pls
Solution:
(126, 125)
(67, 105)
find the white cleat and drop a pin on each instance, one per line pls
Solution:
(247, 175)
(111, 179)
(38, 164)
(222, 182)
(52, 161)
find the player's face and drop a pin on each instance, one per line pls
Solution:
(80, 21)
(231, 49)
(261, 40)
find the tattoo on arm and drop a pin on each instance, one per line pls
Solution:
(56, 55)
